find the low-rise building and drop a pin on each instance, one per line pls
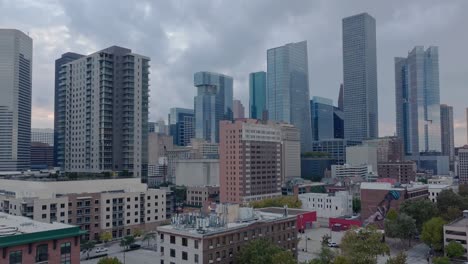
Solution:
(458, 231)
(435, 189)
(199, 195)
(197, 239)
(351, 171)
(377, 198)
(328, 204)
(445, 180)
(118, 206)
(23, 240)
(403, 172)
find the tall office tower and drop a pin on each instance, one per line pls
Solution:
(248, 142)
(181, 125)
(447, 133)
(467, 125)
(360, 106)
(59, 110)
(340, 98)
(257, 95)
(288, 88)
(238, 110)
(106, 112)
(463, 165)
(321, 112)
(213, 103)
(418, 101)
(43, 135)
(15, 100)
(338, 123)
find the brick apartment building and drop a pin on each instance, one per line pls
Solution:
(403, 172)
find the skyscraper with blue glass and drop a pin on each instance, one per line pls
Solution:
(360, 104)
(288, 88)
(181, 125)
(257, 92)
(418, 101)
(213, 103)
(321, 111)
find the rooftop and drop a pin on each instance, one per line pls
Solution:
(17, 230)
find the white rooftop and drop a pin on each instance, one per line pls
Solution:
(15, 225)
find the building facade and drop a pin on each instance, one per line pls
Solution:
(463, 166)
(197, 172)
(60, 109)
(360, 104)
(118, 206)
(418, 101)
(213, 103)
(43, 135)
(447, 133)
(350, 171)
(238, 109)
(198, 196)
(220, 243)
(16, 54)
(288, 88)
(389, 149)
(336, 148)
(182, 125)
(322, 120)
(403, 172)
(25, 241)
(42, 155)
(338, 123)
(362, 155)
(106, 105)
(458, 231)
(328, 205)
(244, 145)
(291, 152)
(257, 95)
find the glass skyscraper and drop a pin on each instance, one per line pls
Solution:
(447, 133)
(257, 92)
(288, 88)
(360, 104)
(181, 125)
(418, 101)
(213, 103)
(321, 111)
(59, 109)
(16, 53)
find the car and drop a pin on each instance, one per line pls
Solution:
(332, 244)
(135, 246)
(100, 249)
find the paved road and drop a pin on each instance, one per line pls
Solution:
(140, 256)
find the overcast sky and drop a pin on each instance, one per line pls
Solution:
(231, 37)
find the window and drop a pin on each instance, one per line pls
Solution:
(44, 216)
(42, 253)
(172, 252)
(172, 239)
(195, 258)
(184, 255)
(16, 257)
(65, 253)
(196, 244)
(184, 242)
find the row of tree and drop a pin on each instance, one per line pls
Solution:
(290, 201)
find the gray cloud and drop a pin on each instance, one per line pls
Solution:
(232, 37)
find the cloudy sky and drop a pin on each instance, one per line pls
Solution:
(232, 37)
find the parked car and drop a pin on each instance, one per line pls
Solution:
(134, 246)
(332, 244)
(100, 249)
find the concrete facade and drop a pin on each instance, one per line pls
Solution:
(328, 205)
(197, 172)
(403, 172)
(360, 155)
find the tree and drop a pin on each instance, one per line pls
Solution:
(433, 233)
(290, 201)
(106, 237)
(454, 250)
(446, 199)
(148, 237)
(326, 256)
(398, 259)
(420, 210)
(403, 227)
(137, 232)
(362, 246)
(125, 243)
(441, 260)
(262, 251)
(284, 257)
(88, 247)
(341, 260)
(452, 213)
(463, 190)
(109, 260)
(325, 239)
(356, 205)
(392, 214)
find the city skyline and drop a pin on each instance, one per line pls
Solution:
(398, 28)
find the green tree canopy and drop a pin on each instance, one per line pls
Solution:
(290, 201)
(420, 210)
(362, 246)
(441, 260)
(261, 251)
(447, 199)
(109, 260)
(326, 256)
(127, 241)
(454, 250)
(105, 237)
(341, 260)
(403, 227)
(398, 259)
(392, 214)
(433, 233)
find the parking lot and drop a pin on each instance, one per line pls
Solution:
(140, 256)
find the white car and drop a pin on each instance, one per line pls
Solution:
(333, 244)
(100, 249)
